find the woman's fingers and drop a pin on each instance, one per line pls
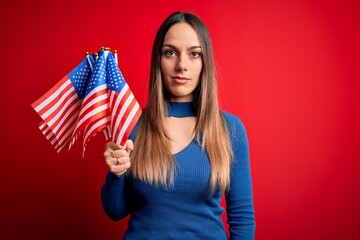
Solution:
(119, 169)
(117, 157)
(113, 146)
(129, 145)
(120, 153)
(109, 149)
(122, 160)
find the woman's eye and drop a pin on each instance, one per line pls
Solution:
(196, 54)
(169, 53)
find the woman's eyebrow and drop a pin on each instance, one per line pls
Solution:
(193, 47)
(172, 46)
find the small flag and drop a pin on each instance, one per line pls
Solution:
(124, 108)
(93, 97)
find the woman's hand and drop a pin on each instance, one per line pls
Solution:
(117, 157)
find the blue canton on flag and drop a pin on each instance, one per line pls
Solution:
(99, 74)
(80, 77)
(115, 78)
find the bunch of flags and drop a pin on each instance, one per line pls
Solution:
(93, 97)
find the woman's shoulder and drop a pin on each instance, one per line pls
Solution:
(233, 123)
(231, 118)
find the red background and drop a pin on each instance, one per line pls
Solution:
(288, 69)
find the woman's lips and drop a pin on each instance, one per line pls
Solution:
(180, 80)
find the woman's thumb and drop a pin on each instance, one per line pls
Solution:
(129, 145)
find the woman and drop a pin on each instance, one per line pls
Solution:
(186, 152)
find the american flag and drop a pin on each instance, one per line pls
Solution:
(86, 101)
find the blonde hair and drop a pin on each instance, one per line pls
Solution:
(152, 160)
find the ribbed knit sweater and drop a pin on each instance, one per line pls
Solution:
(186, 210)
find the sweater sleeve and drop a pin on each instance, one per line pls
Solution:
(114, 193)
(239, 200)
(113, 197)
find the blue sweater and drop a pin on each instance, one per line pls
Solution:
(186, 211)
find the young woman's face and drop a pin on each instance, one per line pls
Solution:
(181, 62)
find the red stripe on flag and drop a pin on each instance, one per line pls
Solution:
(93, 128)
(65, 131)
(93, 98)
(107, 132)
(50, 92)
(121, 127)
(59, 107)
(71, 112)
(92, 106)
(119, 101)
(95, 111)
(131, 126)
(58, 100)
(50, 136)
(63, 103)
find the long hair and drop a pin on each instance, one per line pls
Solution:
(152, 160)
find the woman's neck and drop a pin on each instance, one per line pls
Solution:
(181, 109)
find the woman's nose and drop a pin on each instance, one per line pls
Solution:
(182, 63)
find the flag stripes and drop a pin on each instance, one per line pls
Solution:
(119, 116)
(58, 111)
(93, 97)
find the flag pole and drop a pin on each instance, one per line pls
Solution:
(88, 59)
(116, 57)
(96, 56)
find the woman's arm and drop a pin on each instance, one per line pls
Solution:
(113, 193)
(239, 199)
(113, 197)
